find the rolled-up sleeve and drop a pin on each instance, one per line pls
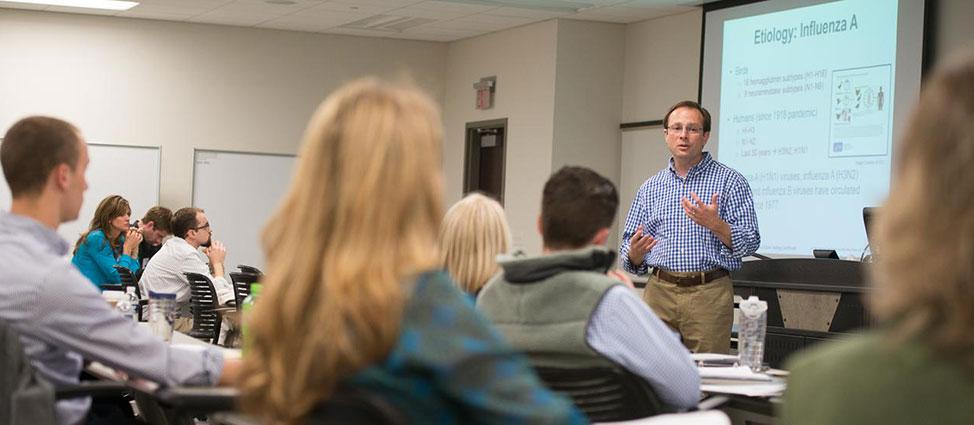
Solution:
(72, 314)
(626, 331)
(635, 217)
(738, 211)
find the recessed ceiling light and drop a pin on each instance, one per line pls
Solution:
(282, 2)
(87, 4)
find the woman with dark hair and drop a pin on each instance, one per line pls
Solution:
(109, 242)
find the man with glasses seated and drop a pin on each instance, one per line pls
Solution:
(60, 316)
(691, 223)
(181, 254)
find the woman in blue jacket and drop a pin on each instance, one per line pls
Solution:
(108, 242)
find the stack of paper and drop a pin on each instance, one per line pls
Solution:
(732, 373)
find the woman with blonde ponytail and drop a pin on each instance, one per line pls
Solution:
(473, 234)
(352, 297)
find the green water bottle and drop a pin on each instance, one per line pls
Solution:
(248, 305)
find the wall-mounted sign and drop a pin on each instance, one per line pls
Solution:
(485, 92)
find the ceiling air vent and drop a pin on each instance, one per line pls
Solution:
(387, 23)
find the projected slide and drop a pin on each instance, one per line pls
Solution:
(806, 101)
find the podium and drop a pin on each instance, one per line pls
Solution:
(809, 300)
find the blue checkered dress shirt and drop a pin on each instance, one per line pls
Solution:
(683, 245)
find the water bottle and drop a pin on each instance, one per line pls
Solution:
(128, 304)
(248, 305)
(754, 322)
(162, 314)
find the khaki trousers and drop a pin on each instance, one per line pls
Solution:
(702, 314)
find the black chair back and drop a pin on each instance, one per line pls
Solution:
(604, 394)
(350, 405)
(128, 279)
(202, 301)
(249, 269)
(241, 285)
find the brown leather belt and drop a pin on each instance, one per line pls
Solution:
(694, 279)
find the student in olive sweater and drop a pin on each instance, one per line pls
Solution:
(918, 367)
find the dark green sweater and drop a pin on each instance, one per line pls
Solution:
(865, 380)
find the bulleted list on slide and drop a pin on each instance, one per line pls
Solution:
(806, 105)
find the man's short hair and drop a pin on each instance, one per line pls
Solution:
(576, 204)
(184, 220)
(32, 148)
(161, 216)
(692, 105)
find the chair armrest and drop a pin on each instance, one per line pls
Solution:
(112, 287)
(232, 418)
(198, 399)
(91, 389)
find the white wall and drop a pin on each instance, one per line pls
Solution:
(954, 31)
(662, 65)
(588, 98)
(185, 86)
(523, 60)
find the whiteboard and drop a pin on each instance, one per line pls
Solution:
(130, 171)
(239, 191)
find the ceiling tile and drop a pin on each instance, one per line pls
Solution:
(353, 6)
(527, 13)
(359, 32)
(636, 13)
(196, 4)
(321, 22)
(82, 10)
(457, 7)
(427, 37)
(25, 6)
(292, 26)
(269, 10)
(229, 19)
(155, 14)
(420, 12)
(510, 21)
(155, 9)
(381, 3)
(592, 16)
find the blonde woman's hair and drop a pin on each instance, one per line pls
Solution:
(924, 279)
(474, 232)
(357, 224)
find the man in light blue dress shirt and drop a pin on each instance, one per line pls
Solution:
(691, 223)
(60, 316)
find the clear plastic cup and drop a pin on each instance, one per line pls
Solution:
(162, 314)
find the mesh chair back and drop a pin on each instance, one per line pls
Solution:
(249, 269)
(202, 301)
(128, 279)
(604, 394)
(242, 280)
(241, 285)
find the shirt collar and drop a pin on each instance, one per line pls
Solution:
(49, 238)
(702, 165)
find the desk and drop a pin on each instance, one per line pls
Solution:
(745, 402)
(179, 338)
(173, 404)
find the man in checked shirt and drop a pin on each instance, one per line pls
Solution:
(689, 225)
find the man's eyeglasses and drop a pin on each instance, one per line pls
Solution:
(678, 129)
(205, 226)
